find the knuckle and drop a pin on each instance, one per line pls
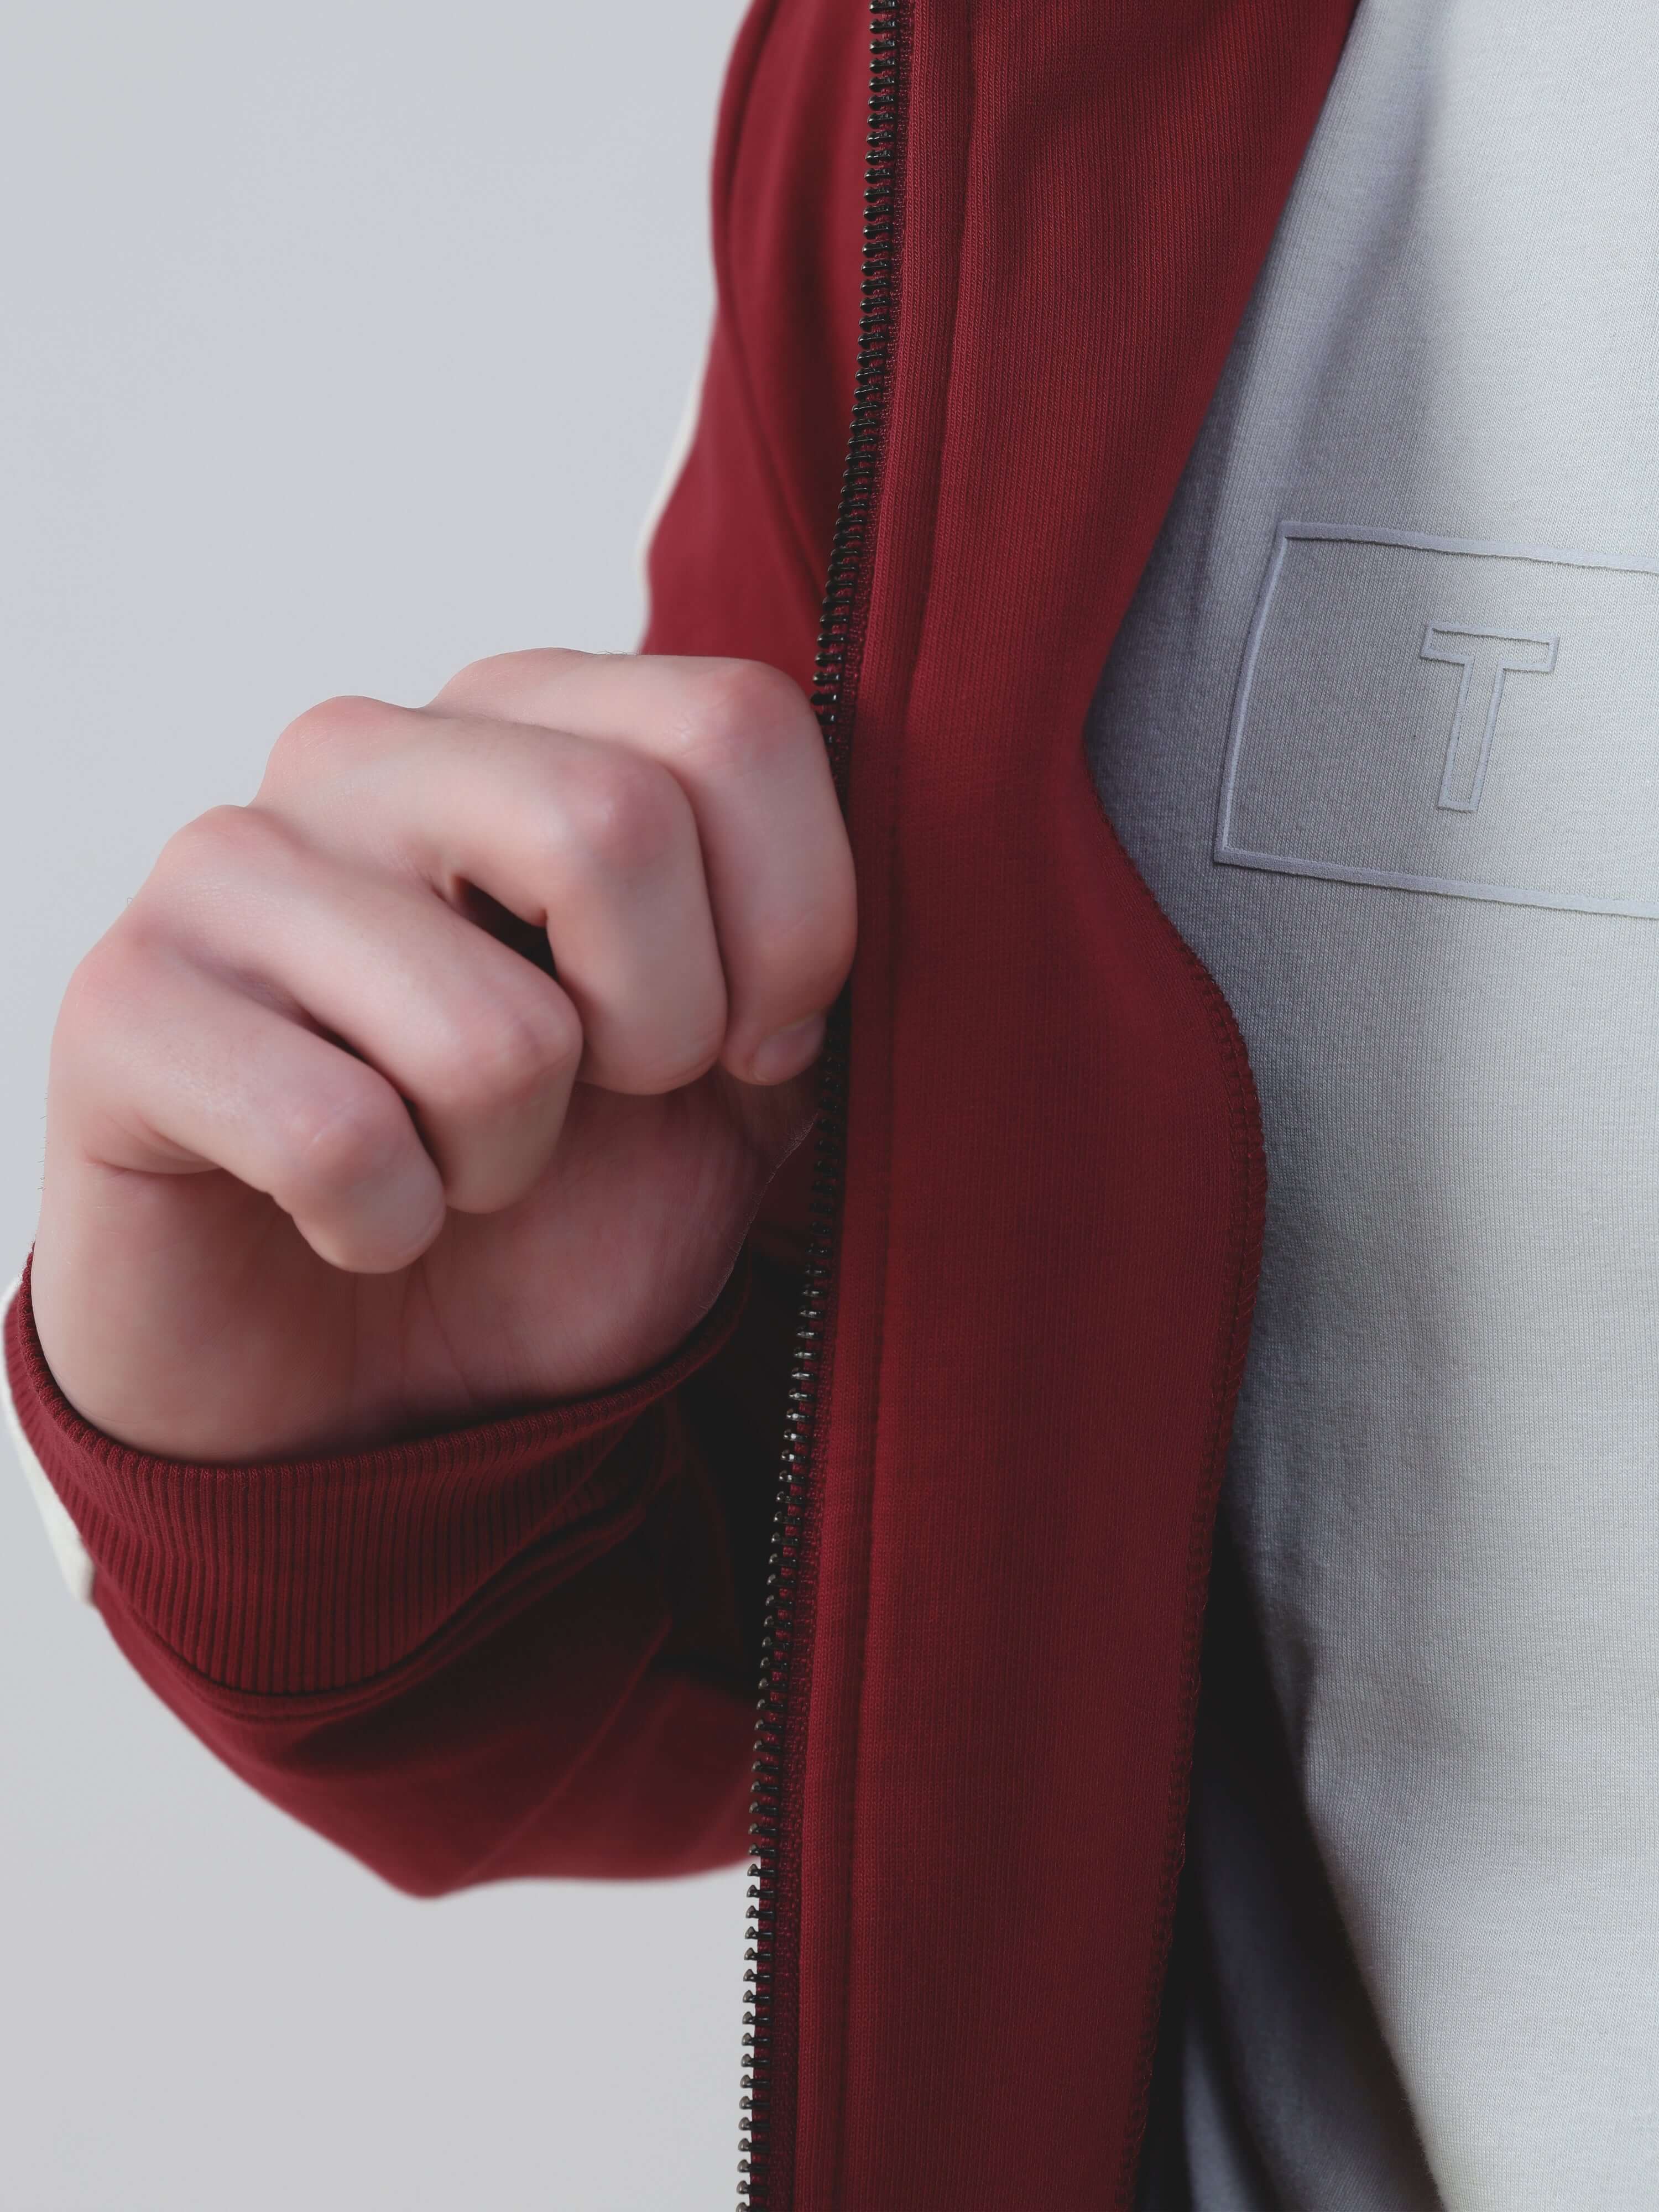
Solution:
(626, 816)
(485, 684)
(739, 716)
(508, 1059)
(315, 743)
(808, 950)
(678, 1047)
(356, 1134)
(816, 957)
(226, 839)
(105, 985)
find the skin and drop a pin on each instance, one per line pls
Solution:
(338, 1151)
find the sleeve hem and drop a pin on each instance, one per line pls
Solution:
(312, 1575)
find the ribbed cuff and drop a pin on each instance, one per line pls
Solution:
(293, 1576)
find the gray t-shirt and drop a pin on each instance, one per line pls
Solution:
(1381, 731)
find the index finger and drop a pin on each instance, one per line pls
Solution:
(744, 743)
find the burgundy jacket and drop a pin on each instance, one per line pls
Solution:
(998, 1336)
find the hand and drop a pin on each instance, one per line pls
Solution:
(335, 1152)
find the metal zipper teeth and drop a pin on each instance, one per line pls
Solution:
(840, 627)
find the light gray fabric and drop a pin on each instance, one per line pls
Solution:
(1427, 882)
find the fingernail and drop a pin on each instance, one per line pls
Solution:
(788, 1051)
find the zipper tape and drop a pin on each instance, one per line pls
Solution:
(765, 2181)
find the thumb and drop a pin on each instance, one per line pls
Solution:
(773, 1117)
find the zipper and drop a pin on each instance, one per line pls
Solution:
(770, 1994)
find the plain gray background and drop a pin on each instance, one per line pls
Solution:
(340, 343)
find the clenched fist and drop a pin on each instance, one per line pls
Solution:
(449, 1072)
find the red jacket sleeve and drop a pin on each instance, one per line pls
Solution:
(527, 1647)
